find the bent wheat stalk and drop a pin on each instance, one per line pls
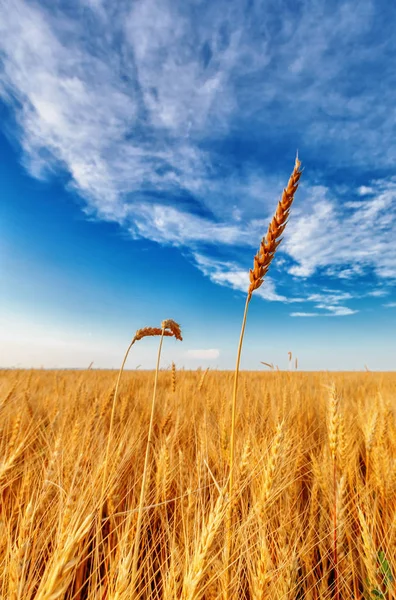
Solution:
(168, 327)
(261, 263)
(140, 334)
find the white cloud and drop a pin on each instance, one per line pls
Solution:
(330, 303)
(209, 354)
(333, 311)
(166, 224)
(306, 314)
(390, 305)
(378, 293)
(329, 297)
(321, 235)
(336, 310)
(364, 190)
(229, 274)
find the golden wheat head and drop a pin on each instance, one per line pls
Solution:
(149, 331)
(174, 328)
(270, 242)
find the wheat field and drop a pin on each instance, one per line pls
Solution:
(314, 485)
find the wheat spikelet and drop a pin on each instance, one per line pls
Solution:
(123, 408)
(173, 575)
(202, 379)
(262, 572)
(368, 547)
(270, 242)
(173, 327)
(370, 430)
(149, 332)
(246, 394)
(285, 402)
(14, 432)
(14, 450)
(61, 573)
(71, 500)
(333, 426)
(8, 395)
(270, 469)
(212, 587)
(340, 508)
(108, 399)
(162, 475)
(333, 420)
(313, 523)
(29, 407)
(244, 462)
(165, 423)
(20, 552)
(173, 377)
(198, 563)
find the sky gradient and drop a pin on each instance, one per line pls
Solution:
(143, 147)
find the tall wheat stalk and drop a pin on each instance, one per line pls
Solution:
(261, 263)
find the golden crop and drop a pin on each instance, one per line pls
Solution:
(315, 471)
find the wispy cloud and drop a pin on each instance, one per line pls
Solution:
(231, 275)
(165, 224)
(345, 243)
(333, 311)
(170, 118)
(331, 303)
(379, 293)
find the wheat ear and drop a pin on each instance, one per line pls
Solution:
(270, 242)
(173, 377)
(261, 263)
(202, 379)
(199, 564)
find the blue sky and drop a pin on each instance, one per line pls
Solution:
(143, 147)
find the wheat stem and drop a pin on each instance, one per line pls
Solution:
(109, 437)
(232, 442)
(145, 471)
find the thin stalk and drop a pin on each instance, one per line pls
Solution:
(109, 438)
(145, 471)
(335, 555)
(232, 448)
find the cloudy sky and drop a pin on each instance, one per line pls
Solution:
(143, 147)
